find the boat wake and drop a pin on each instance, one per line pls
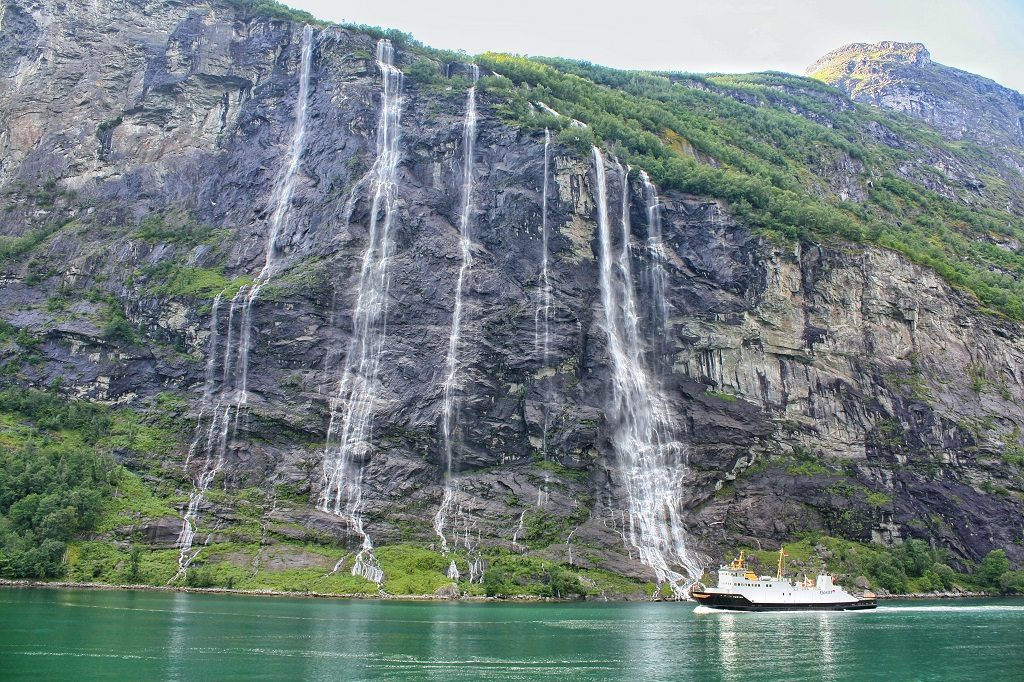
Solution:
(705, 610)
(977, 608)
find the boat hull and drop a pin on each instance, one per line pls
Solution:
(737, 602)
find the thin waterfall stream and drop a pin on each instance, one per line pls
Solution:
(656, 271)
(222, 404)
(652, 460)
(449, 407)
(349, 432)
(542, 319)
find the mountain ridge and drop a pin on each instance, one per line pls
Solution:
(903, 77)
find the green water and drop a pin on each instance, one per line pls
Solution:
(87, 635)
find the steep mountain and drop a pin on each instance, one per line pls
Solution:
(977, 113)
(345, 310)
(902, 77)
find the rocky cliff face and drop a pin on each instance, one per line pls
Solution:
(816, 387)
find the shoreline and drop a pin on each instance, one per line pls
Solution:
(41, 584)
(947, 595)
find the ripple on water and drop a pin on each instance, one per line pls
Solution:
(70, 635)
(570, 624)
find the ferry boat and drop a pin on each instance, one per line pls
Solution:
(740, 589)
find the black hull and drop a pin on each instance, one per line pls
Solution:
(737, 602)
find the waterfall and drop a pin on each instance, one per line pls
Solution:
(449, 409)
(547, 110)
(476, 570)
(222, 403)
(656, 257)
(518, 530)
(542, 316)
(283, 190)
(349, 430)
(652, 461)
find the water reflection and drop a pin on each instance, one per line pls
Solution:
(790, 645)
(444, 635)
(179, 628)
(826, 625)
(724, 627)
(651, 641)
(340, 644)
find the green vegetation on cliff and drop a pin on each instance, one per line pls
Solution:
(771, 145)
(58, 478)
(274, 10)
(53, 479)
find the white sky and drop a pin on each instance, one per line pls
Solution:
(982, 36)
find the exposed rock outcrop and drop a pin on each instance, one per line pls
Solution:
(903, 77)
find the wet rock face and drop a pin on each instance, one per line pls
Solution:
(818, 387)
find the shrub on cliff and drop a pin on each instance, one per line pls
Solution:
(1012, 582)
(424, 71)
(275, 10)
(888, 574)
(510, 575)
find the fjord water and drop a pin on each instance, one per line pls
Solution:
(86, 635)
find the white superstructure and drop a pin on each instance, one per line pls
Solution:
(740, 588)
(776, 589)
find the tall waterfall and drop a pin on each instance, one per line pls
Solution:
(350, 428)
(656, 255)
(542, 316)
(222, 403)
(449, 409)
(652, 460)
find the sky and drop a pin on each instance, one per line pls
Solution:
(981, 36)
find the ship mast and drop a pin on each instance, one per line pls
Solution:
(782, 556)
